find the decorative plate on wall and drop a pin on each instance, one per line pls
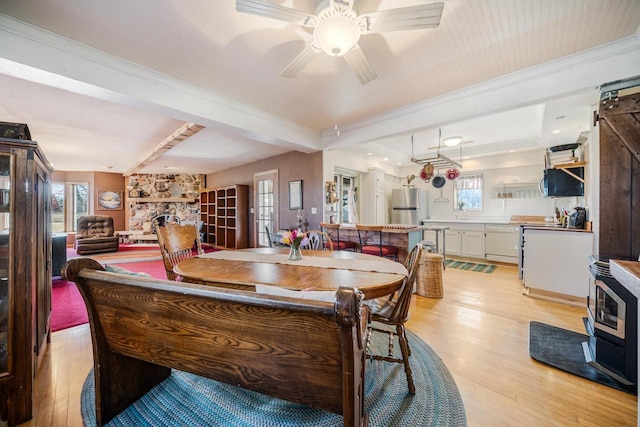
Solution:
(109, 199)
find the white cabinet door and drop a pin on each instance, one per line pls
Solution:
(557, 261)
(453, 242)
(472, 244)
(501, 243)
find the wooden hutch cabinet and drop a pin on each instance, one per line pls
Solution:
(25, 273)
(225, 214)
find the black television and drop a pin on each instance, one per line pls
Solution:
(558, 183)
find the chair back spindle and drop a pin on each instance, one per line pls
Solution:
(395, 312)
(177, 243)
(319, 241)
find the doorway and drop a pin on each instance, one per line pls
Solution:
(265, 186)
(346, 207)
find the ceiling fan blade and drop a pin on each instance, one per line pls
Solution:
(274, 11)
(300, 61)
(360, 65)
(404, 18)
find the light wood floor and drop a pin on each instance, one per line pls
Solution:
(479, 329)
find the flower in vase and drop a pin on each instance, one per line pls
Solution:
(295, 238)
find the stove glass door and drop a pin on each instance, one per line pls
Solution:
(609, 310)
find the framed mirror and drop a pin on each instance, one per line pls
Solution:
(295, 195)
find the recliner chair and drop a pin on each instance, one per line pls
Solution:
(95, 234)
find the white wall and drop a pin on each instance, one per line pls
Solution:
(517, 173)
(357, 162)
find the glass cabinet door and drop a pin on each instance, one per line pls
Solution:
(5, 251)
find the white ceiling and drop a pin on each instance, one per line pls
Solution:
(101, 83)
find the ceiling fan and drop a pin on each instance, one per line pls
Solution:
(338, 24)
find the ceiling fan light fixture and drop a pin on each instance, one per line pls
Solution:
(452, 141)
(336, 35)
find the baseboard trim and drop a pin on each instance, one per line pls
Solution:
(555, 297)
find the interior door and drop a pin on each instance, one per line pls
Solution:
(265, 186)
(619, 234)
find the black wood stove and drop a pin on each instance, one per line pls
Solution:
(612, 324)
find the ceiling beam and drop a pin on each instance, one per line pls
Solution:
(33, 54)
(178, 136)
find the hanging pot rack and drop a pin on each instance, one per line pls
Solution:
(439, 161)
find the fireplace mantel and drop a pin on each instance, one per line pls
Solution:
(161, 200)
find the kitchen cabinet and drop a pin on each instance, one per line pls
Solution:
(472, 244)
(465, 240)
(453, 242)
(501, 243)
(556, 263)
(374, 199)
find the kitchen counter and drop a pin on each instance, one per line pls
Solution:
(389, 228)
(628, 274)
(528, 225)
(554, 227)
(466, 221)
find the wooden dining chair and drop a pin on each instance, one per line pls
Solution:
(333, 231)
(177, 243)
(318, 240)
(162, 220)
(394, 311)
(273, 242)
(370, 237)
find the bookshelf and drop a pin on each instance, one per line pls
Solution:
(225, 214)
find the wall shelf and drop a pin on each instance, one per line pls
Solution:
(566, 166)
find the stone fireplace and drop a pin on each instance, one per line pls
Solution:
(149, 195)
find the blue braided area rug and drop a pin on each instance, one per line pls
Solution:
(188, 400)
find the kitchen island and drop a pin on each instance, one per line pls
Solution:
(404, 237)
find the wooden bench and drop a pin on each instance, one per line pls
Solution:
(303, 351)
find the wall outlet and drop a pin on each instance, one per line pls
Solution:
(314, 211)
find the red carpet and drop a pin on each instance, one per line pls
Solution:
(67, 306)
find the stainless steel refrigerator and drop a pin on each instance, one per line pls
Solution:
(409, 205)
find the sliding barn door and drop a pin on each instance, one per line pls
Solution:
(619, 234)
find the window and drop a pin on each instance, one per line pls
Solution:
(69, 201)
(468, 194)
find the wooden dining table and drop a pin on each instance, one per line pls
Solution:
(321, 270)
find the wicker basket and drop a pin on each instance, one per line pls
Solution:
(429, 280)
